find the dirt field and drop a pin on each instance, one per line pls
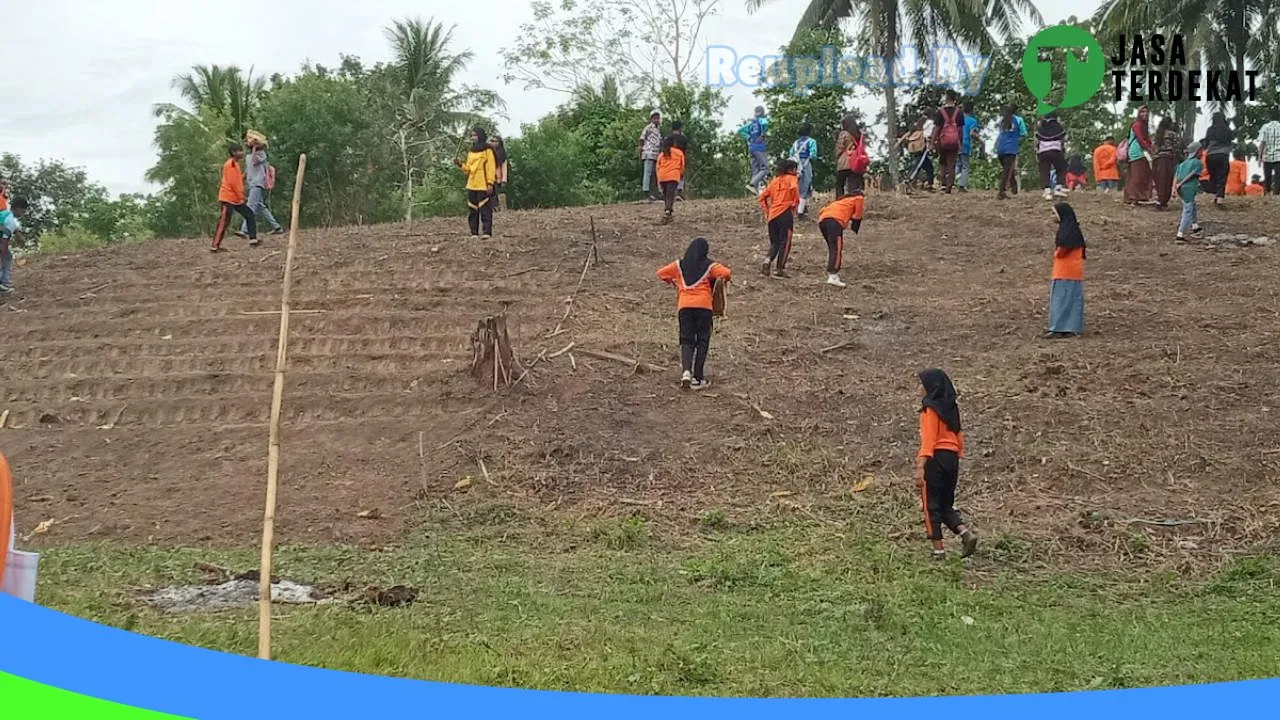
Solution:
(1166, 410)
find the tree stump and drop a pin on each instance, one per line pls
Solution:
(492, 361)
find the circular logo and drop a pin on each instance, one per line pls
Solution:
(1081, 78)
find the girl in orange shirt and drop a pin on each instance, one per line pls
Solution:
(670, 170)
(780, 202)
(938, 462)
(694, 278)
(1066, 294)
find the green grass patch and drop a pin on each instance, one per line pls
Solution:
(786, 610)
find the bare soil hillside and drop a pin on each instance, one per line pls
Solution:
(137, 379)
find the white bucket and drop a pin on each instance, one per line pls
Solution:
(20, 575)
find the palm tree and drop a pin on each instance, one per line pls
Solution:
(884, 28)
(1217, 33)
(224, 90)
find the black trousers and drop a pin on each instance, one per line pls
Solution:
(1219, 166)
(1271, 177)
(833, 233)
(780, 229)
(941, 474)
(480, 211)
(669, 193)
(1008, 172)
(1052, 160)
(695, 339)
(848, 182)
(224, 219)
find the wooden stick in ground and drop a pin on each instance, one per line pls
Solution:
(273, 436)
(586, 264)
(619, 359)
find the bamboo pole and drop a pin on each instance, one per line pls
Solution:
(273, 442)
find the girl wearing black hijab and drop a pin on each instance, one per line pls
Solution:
(1066, 294)
(481, 169)
(500, 180)
(1219, 141)
(938, 462)
(694, 277)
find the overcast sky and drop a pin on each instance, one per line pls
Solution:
(82, 75)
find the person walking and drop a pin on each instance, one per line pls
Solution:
(10, 231)
(1269, 155)
(970, 136)
(948, 132)
(647, 148)
(1008, 142)
(938, 462)
(231, 197)
(1187, 186)
(1066, 292)
(694, 277)
(754, 132)
(1106, 173)
(779, 201)
(670, 170)
(1168, 144)
(917, 144)
(259, 176)
(1051, 152)
(852, 160)
(1219, 141)
(680, 141)
(803, 152)
(1139, 154)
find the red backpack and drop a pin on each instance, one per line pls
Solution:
(859, 160)
(949, 138)
(271, 177)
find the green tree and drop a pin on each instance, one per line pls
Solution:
(59, 194)
(552, 167)
(822, 105)
(191, 146)
(884, 28)
(226, 91)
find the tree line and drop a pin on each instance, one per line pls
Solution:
(381, 139)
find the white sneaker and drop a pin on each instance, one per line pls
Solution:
(686, 380)
(1048, 194)
(1060, 191)
(701, 384)
(834, 279)
(6, 289)
(753, 189)
(800, 210)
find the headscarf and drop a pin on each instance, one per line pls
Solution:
(482, 139)
(940, 395)
(695, 262)
(850, 124)
(1069, 235)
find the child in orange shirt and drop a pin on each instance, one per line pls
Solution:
(1066, 294)
(1255, 187)
(1237, 173)
(938, 462)
(232, 197)
(694, 277)
(780, 202)
(670, 170)
(834, 218)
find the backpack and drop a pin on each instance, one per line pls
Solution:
(949, 138)
(859, 160)
(1122, 150)
(271, 177)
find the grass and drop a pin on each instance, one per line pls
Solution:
(782, 609)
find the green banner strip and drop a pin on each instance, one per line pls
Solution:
(27, 700)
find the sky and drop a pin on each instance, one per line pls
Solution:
(83, 75)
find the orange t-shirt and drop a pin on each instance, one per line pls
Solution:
(843, 210)
(697, 295)
(6, 513)
(1255, 189)
(781, 196)
(935, 435)
(1068, 264)
(1104, 163)
(1237, 177)
(671, 167)
(232, 188)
